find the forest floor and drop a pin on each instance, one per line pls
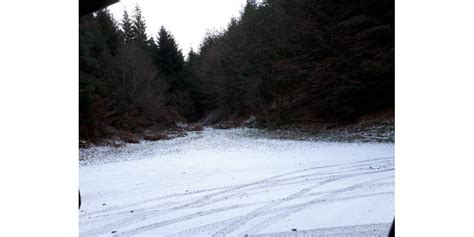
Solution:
(373, 127)
(376, 131)
(237, 182)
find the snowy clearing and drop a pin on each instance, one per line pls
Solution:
(226, 183)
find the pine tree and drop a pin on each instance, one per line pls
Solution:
(252, 2)
(139, 28)
(108, 30)
(168, 57)
(127, 31)
(189, 67)
(191, 59)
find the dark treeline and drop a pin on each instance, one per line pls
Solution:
(283, 61)
(128, 81)
(300, 60)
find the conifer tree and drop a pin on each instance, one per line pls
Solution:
(139, 28)
(168, 56)
(127, 26)
(108, 30)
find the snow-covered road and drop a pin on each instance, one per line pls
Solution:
(228, 183)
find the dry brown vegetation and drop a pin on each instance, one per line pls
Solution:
(296, 64)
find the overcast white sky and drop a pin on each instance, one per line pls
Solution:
(188, 20)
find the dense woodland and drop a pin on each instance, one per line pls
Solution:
(282, 61)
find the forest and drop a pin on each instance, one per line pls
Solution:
(281, 62)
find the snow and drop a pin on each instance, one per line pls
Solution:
(230, 183)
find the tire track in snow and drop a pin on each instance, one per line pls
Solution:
(259, 211)
(241, 220)
(209, 228)
(203, 201)
(291, 181)
(270, 182)
(368, 230)
(234, 187)
(179, 219)
(329, 197)
(272, 185)
(157, 199)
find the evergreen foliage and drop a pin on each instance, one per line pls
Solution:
(300, 60)
(139, 28)
(284, 61)
(127, 30)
